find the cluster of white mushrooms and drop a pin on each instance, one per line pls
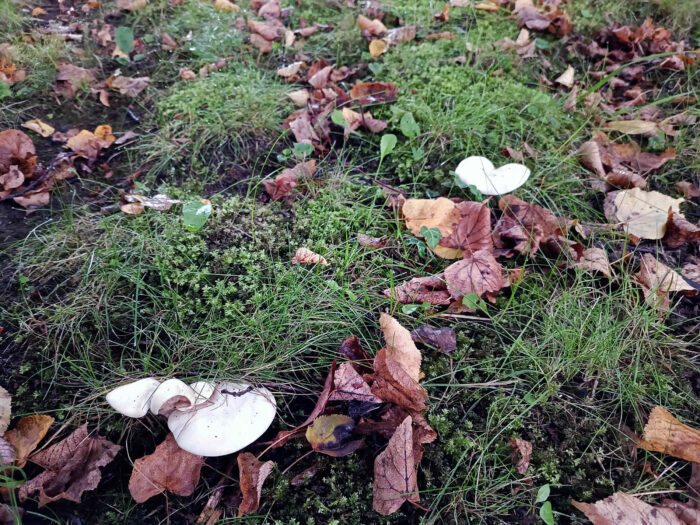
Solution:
(483, 175)
(207, 419)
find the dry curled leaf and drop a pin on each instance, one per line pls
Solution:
(252, 476)
(167, 468)
(400, 345)
(658, 280)
(88, 144)
(392, 384)
(395, 478)
(5, 409)
(26, 435)
(39, 127)
(679, 231)
(351, 386)
(72, 467)
(625, 509)
(643, 214)
(331, 435)
(129, 86)
(664, 433)
(594, 260)
(373, 27)
(431, 289)
(522, 450)
(688, 189)
(478, 273)
(366, 93)
(306, 256)
(17, 149)
(472, 232)
(71, 79)
(444, 338)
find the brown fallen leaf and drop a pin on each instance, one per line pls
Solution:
(26, 435)
(187, 74)
(128, 86)
(688, 189)
(594, 260)
(71, 79)
(679, 231)
(167, 468)
(392, 384)
(482, 6)
(625, 509)
(643, 214)
(17, 149)
(566, 79)
(478, 273)
(664, 433)
(444, 15)
(351, 386)
(633, 127)
(306, 256)
(444, 338)
(132, 5)
(9, 74)
(88, 144)
(658, 280)
(253, 474)
(72, 467)
(225, 6)
(522, 450)
(371, 242)
(401, 34)
(441, 213)
(299, 97)
(331, 435)
(372, 27)
(282, 185)
(271, 30)
(400, 346)
(377, 47)
(304, 476)
(291, 71)
(472, 231)
(5, 410)
(39, 127)
(366, 93)
(431, 289)
(395, 478)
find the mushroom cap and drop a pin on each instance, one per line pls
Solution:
(203, 390)
(480, 172)
(133, 399)
(235, 415)
(171, 394)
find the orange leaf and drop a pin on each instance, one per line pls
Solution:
(664, 433)
(26, 435)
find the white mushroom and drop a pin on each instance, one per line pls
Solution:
(480, 173)
(235, 415)
(172, 394)
(133, 399)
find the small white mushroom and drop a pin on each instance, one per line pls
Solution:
(480, 173)
(172, 394)
(235, 415)
(133, 399)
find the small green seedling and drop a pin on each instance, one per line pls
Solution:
(422, 248)
(124, 38)
(432, 236)
(386, 146)
(408, 125)
(195, 214)
(546, 509)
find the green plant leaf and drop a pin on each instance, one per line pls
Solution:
(542, 494)
(195, 214)
(472, 300)
(420, 245)
(432, 236)
(546, 513)
(124, 37)
(409, 126)
(302, 150)
(387, 145)
(408, 309)
(5, 90)
(338, 118)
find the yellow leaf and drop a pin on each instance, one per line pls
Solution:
(225, 5)
(37, 126)
(377, 47)
(632, 127)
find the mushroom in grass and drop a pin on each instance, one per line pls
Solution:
(133, 399)
(481, 173)
(235, 415)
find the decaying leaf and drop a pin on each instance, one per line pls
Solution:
(643, 214)
(522, 450)
(392, 384)
(633, 127)
(331, 435)
(431, 289)
(688, 189)
(566, 78)
(438, 213)
(39, 127)
(351, 386)
(478, 273)
(226, 6)
(253, 474)
(372, 27)
(366, 93)
(658, 280)
(17, 149)
(71, 79)
(371, 242)
(72, 467)
(88, 144)
(679, 231)
(129, 86)
(444, 338)
(5, 409)
(137, 203)
(625, 509)
(306, 256)
(26, 435)
(395, 478)
(167, 468)
(400, 346)
(594, 260)
(664, 433)
(472, 231)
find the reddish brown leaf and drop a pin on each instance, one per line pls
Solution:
(168, 468)
(392, 383)
(444, 338)
(71, 79)
(271, 30)
(253, 474)
(680, 231)
(366, 93)
(473, 230)
(431, 289)
(286, 181)
(352, 349)
(400, 345)
(128, 86)
(444, 15)
(394, 472)
(16, 150)
(26, 435)
(478, 273)
(72, 467)
(350, 385)
(371, 242)
(688, 189)
(522, 450)
(304, 476)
